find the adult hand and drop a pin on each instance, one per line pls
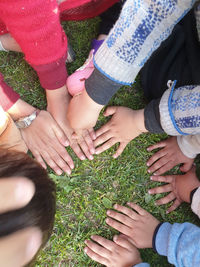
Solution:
(20, 247)
(120, 253)
(135, 223)
(47, 142)
(169, 156)
(124, 126)
(82, 144)
(179, 186)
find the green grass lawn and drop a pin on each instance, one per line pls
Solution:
(94, 186)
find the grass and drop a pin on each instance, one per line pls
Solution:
(94, 186)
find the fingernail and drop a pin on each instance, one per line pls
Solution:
(115, 206)
(92, 151)
(68, 172)
(72, 166)
(167, 212)
(59, 172)
(149, 171)
(148, 149)
(155, 173)
(108, 212)
(149, 191)
(82, 157)
(147, 164)
(114, 156)
(107, 220)
(85, 250)
(97, 152)
(151, 177)
(91, 157)
(115, 237)
(66, 143)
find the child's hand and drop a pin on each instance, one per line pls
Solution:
(136, 223)
(179, 186)
(124, 126)
(120, 253)
(169, 156)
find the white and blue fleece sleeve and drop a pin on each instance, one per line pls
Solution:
(180, 243)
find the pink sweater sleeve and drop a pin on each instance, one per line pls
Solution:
(36, 27)
(8, 96)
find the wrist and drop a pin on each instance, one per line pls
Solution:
(139, 115)
(20, 109)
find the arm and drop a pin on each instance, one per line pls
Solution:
(180, 243)
(137, 33)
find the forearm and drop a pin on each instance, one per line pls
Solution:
(36, 28)
(20, 109)
(138, 32)
(180, 243)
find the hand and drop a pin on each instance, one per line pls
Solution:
(47, 142)
(136, 224)
(83, 112)
(179, 186)
(124, 126)
(120, 253)
(20, 247)
(58, 101)
(169, 156)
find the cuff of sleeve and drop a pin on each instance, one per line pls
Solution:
(196, 202)
(161, 238)
(100, 88)
(53, 75)
(154, 236)
(186, 146)
(8, 96)
(152, 117)
(142, 264)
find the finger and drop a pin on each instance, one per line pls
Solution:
(104, 242)
(92, 133)
(77, 150)
(48, 157)
(161, 189)
(20, 247)
(106, 146)
(137, 208)
(89, 142)
(165, 168)
(175, 205)
(60, 135)
(101, 250)
(118, 226)
(39, 159)
(157, 156)
(186, 166)
(166, 199)
(15, 193)
(103, 129)
(110, 111)
(126, 220)
(129, 212)
(164, 179)
(123, 242)
(95, 256)
(120, 150)
(85, 149)
(157, 145)
(59, 154)
(103, 138)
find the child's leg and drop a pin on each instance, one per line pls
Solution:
(76, 81)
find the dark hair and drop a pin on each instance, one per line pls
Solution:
(40, 211)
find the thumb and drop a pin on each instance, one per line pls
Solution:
(110, 111)
(186, 166)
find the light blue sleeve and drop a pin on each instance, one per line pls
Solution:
(180, 243)
(142, 264)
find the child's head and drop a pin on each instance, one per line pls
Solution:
(40, 211)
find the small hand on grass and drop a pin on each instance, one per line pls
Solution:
(124, 126)
(178, 186)
(117, 253)
(135, 223)
(166, 158)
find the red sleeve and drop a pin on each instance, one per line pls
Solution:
(8, 96)
(36, 27)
